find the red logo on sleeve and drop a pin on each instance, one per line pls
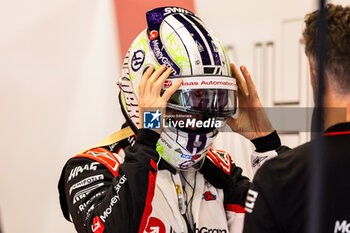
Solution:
(103, 156)
(97, 226)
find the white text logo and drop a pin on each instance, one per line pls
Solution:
(85, 182)
(82, 194)
(114, 199)
(250, 202)
(170, 10)
(80, 169)
(209, 123)
(343, 227)
(206, 230)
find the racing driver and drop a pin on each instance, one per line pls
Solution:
(147, 178)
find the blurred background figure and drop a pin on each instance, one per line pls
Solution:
(282, 196)
(54, 54)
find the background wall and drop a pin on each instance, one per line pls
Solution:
(59, 62)
(58, 95)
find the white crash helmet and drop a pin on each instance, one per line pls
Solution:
(178, 38)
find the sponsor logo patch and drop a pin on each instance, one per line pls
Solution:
(250, 202)
(112, 146)
(167, 83)
(257, 161)
(97, 225)
(103, 156)
(153, 34)
(208, 196)
(203, 83)
(83, 193)
(221, 159)
(170, 10)
(129, 96)
(162, 58)
(209, 230)
(114, 199)
(83, 206)
(80, 169)
(137, 60)
(197, 156)
(155, 225)
(192, 157)
(85, 182)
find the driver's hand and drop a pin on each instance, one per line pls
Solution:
(252, 121)
(149, 91)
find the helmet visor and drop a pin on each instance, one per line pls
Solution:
(200, 96)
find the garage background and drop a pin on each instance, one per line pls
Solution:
(59, 63)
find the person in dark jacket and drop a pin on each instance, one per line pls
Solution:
(278, 199)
